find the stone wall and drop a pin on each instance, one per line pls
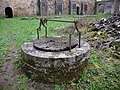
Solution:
(19, 7)
(116, 6)
(91, 6)
(105, 7)
(108, 7)
(66, 7)
(73, 6)
(43, 7)
(82, 6)
(59, 7)
(23, 7)
(51, 7)
(34, 7)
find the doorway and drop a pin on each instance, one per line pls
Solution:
(78, 9)
(8, 12)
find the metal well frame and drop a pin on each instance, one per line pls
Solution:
(43, 22)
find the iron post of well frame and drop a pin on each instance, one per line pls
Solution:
(79, 33)
(70, 42)
(79, 39)
(38, 33)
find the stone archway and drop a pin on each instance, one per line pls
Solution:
(9, 12)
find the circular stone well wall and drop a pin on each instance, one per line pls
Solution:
(62, 66)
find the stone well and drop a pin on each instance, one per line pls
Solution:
(50, 59)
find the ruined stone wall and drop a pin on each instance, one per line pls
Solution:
(91, 6)
(116, 7)
(105, 7)
(85, 6)
(73, 6)
(66, 7)
(51, 7)
(32, 7)
(3, 5)
(25, 7)
(19, 7)
(108, 7)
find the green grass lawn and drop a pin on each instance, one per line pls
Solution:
(102, 73)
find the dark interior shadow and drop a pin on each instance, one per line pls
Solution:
(8, 12)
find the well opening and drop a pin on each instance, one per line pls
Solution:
(54, 44)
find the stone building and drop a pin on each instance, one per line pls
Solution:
(105, 6)
(116, 7)
(10, 8)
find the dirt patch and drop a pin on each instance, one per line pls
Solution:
(7, 74)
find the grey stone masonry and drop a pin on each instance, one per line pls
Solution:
(56, 67)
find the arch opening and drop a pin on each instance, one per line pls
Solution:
(78, 9)
(8, 12)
